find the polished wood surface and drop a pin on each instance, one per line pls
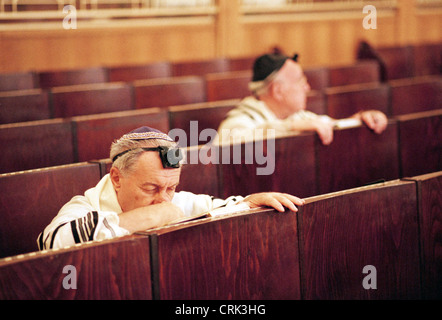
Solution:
(228, 258)
(36, 144)
(91, 99)
(357, 156)
(31, 199)
(94, 134)
(340, 234)
(420, 143)
(116, 269)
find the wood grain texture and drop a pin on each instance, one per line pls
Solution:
(292, 159)
(420, 145)
(357, 156)
(236, 258)
(430, 215)
(167, 92)
(36, 144)
(416, 94)
(345, 101)
(50, 79)
(24, 105)
(31, 199)
(341, 234)
(91, 99)
(111, 270)
(94, 134)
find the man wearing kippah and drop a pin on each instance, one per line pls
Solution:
(279, 99)
(139, 194)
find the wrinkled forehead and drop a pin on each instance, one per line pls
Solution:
(290, 71)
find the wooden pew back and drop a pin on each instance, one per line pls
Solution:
(117, 269)
(31, 199)
(36, 144)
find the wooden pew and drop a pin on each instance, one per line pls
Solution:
(24, 105)
(200, 68)
(31, 199)
(285, 165)
(344, 101)
(91, 99)
(117, 269)
(358, 72)
(241, 63)
(394, 62)
(199, 175)
(35, 144)
(94, 134)
(57, 78)
(228, 85)
(166, 92)
(420, 146)
(139, 72)
(415, 95)
(356, 157)
(317, 77)
(17, 81)
(430, 222)
(341, 233)
(206, 116)
(245, 256)
(316, 102)
(427, 59)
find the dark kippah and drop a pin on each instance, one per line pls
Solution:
(267, 64)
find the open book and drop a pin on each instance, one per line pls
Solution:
(214, 213)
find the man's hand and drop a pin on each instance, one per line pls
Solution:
(375, 120)
(153, 216)
(274, 199)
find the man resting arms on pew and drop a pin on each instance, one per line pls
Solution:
(279, 99)
(139, 194)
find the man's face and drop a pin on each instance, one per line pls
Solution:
(293, 88)
(146, 183)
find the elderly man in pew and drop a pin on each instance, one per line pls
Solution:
(279, 99)
(139, 194)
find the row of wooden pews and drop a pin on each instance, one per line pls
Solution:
(369, 243)
(295, 164)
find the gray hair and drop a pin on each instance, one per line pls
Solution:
(126, 162)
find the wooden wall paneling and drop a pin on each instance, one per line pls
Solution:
(36, 144)
(415, 95)
(24, 105)
(269, 165)
(357, 156)
(57, 78)
(94, 134)
(345, 101)
(163, 93)
(31, 199)
(430, 218)
(117, 269)
(341, 233)
(91, 99)
(239, 257)
(420, 146)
